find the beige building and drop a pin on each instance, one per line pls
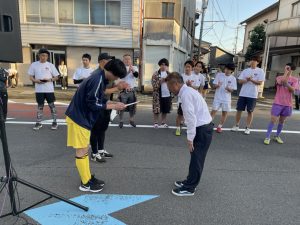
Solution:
(70, 28)
(167, 33)
(283, 37)
(147, 29)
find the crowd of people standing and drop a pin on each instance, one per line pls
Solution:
(112, 86)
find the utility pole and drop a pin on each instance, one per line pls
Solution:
(204, 7)
(236, 40)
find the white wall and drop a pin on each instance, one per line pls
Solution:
(152, 54)
(285, 9)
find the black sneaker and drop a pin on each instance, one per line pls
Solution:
(182, 192)
(54, 126)
(132, 123)
(179, 184)
(37, 126)
(91, 186)
(97, 181)
(105, 154)
(97, 158)
(121, 124)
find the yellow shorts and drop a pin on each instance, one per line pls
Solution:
(78, 137)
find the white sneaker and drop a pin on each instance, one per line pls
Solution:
(235, 128)
(164, 125)
(247, 131)
(97, 158)
(155, 126)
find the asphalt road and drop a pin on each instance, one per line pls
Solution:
(244, 182)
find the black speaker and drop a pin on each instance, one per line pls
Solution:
(10, 32)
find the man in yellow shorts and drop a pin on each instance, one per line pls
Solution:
(82, 114)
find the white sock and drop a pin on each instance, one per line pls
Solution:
(101, 151)
(220, 126)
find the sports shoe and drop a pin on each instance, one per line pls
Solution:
(97, 158)
(235, 128)
(181, 192)
(164, 125)
(121, 124)
(247, 131)
(132, 123)
(178, 132)
(37, 126)
(178, 184)
(54, 126)
(105, 154)
(156, 126)
(278, 140)
(219, 129)
(91, 186)
(267, 141)
(100, 182)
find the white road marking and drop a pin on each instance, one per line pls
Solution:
(63, 123)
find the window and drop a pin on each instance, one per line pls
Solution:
(81, 11)
(113, 13)
(65, 11)
(249, 34)
(33, 11)
(168, 10)
(296, 60)
(296, 9)
(47, 11)
(40, 11)
(98, 12)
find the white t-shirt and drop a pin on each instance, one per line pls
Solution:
(164, 87)
(200, 80)
(130, 79)
(249, 89)
(41, 71)
(222, 95)
(82, 73)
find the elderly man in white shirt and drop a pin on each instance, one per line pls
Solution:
(127, 95)
(199, 131)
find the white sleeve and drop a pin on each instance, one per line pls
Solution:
(261, 75)
(216, 81)
(54, 71)
(234, 84)
(136, 69)
(202, 80)
(76, 75)
(242, 75)
(189, 115)
(31, 70)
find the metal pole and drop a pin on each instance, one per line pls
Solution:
(200, 35)
(265, 60)
(204, 7)
(7, 162)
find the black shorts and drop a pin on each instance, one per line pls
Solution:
(244, 102)
(206, 85)
(179, 110)
(165, 105)
(40, 98)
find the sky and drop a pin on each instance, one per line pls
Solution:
(223, 34)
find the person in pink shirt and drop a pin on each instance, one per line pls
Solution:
(282, 106)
